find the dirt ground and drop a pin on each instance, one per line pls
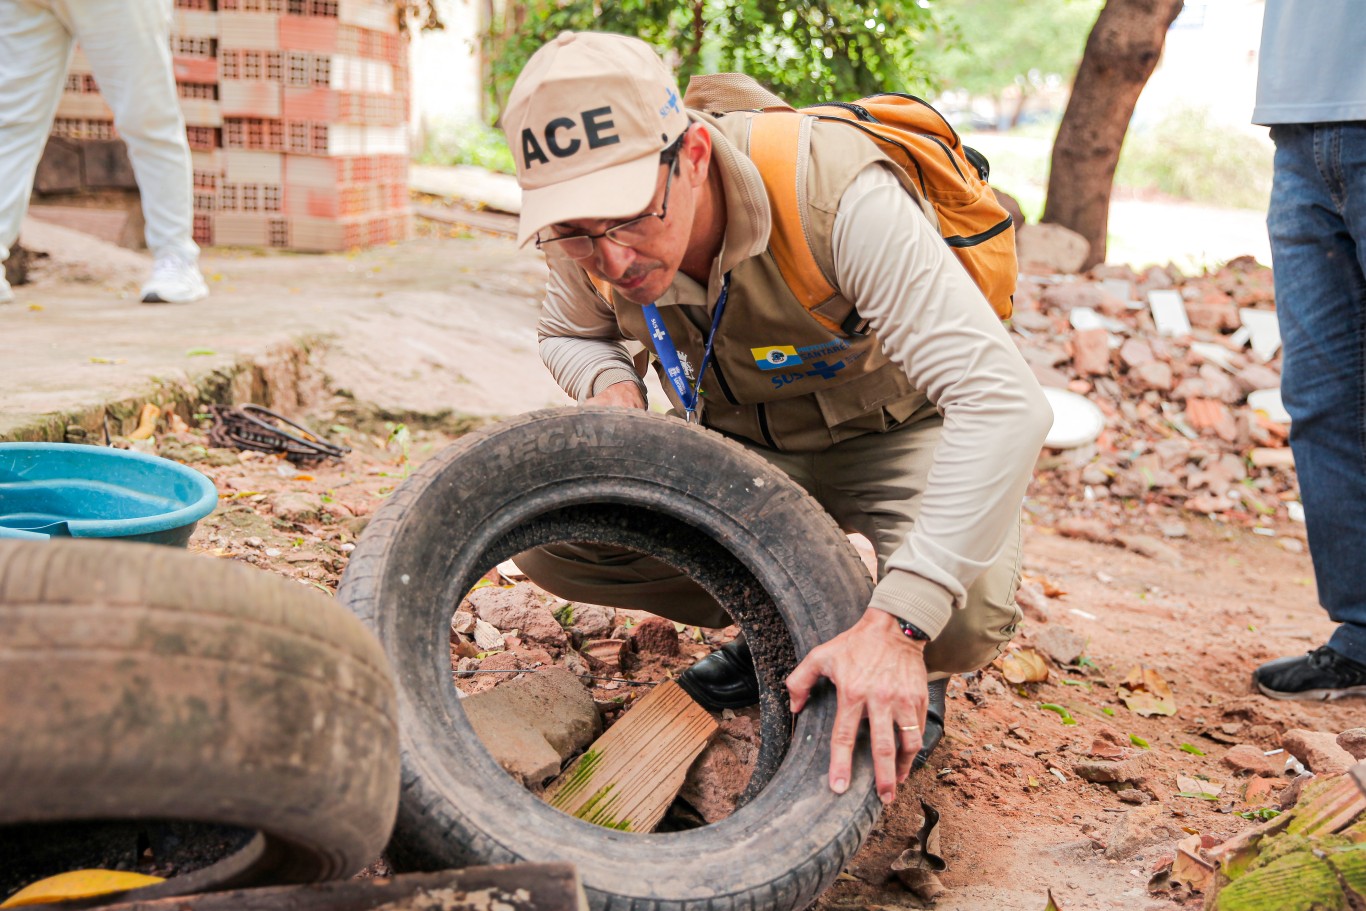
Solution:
(1201, 606)
(1017, 821)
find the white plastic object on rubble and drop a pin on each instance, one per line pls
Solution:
(1120, 288)
(1215, 354)
(1266, 331)
(1268, 402)
(1169, 313)
(1083, 318)
(1076, 421)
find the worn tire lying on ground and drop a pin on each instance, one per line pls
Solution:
(146, 683)
(736, 525)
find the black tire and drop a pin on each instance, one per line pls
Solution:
(151, 684)
(736, 525)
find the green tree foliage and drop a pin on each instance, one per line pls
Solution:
(989, 46)
(1188, 155)
(805, 51)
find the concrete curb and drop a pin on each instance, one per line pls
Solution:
(283, 378)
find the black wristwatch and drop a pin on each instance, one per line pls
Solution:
(912, 631)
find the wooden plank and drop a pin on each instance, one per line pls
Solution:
(512, 887)
(629, 776)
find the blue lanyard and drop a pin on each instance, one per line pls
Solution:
(668, 354)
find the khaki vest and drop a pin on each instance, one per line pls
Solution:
(777, 376)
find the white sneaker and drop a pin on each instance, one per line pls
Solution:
(6, 292)
(174, 281)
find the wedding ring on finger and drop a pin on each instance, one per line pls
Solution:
(908, 727)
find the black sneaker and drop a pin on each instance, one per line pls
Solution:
(1321, 674)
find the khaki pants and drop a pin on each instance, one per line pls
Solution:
(873, 485)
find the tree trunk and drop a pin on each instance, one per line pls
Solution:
(1121, 53)
(1020, 101)
(483, 29)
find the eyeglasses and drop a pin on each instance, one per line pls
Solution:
(631, 233)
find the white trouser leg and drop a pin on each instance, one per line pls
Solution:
(128, 45)
(35, 50)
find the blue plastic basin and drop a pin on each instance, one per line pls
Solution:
(58, 490)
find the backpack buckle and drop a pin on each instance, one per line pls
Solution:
(853, 324)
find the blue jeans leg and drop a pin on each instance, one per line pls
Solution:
(1317, 222)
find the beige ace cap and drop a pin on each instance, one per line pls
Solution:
(586, 122)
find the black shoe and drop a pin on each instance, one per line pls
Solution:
(1321, 674)
(934, 723)
(724, 679)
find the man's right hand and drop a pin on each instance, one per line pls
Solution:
(623, 395)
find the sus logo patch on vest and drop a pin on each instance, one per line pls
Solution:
(776, 357)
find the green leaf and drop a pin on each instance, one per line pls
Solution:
(200, 352)
(1061, 711)
(1261, 813)
(1107, 711)
(1197, 795)
(1192, 749)
(1138, 741)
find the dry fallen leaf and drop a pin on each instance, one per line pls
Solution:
(1023, 665)
(1145, 693)
(147, 422)
(1188, 785)
(509, 571)
(919, 865)
(1050, 588)
(1189, 868)
(486, 636)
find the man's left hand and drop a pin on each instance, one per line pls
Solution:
(879, 674)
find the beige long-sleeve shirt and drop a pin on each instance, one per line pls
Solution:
(932, 320)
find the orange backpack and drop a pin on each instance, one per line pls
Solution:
(949, 175)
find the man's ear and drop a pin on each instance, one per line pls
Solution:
(696, 153)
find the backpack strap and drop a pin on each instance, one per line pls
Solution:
(780, 146)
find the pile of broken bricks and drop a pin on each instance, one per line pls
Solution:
(1185, 372)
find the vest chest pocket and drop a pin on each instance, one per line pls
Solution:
(871, 392)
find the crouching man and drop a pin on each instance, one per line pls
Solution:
(917, 425)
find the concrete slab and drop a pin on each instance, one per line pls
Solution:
(474, 186)
(435, 325)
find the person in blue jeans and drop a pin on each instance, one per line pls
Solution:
(1311, 91)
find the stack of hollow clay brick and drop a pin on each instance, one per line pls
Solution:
(296, 114)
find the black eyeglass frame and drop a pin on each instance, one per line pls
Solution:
(556, 245)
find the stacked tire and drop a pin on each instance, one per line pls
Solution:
(146, 683)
